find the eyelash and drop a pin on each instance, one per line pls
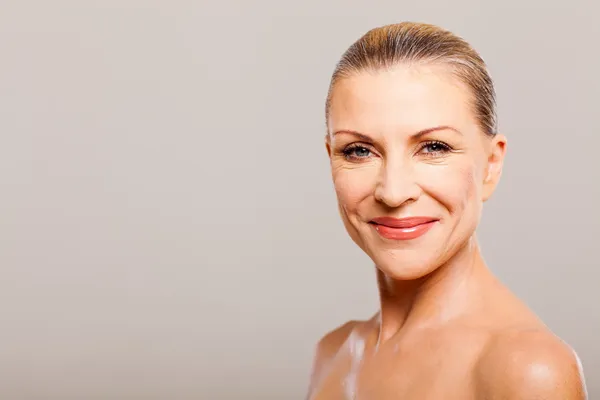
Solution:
(348, 151)
(445, 148)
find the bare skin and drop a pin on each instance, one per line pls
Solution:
(446, 328)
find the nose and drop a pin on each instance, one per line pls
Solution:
(396, 184)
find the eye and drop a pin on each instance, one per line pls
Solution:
(356, 151)
(434, 148)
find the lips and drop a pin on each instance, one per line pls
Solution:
(402, 222)
(402, 228)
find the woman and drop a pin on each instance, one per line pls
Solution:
(414, 153)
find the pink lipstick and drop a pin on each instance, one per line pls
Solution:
(404, 228)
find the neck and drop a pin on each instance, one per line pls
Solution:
(440, 296)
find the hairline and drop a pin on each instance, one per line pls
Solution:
(457, 68)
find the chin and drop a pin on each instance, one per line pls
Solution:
(404, 264)
(403, 259)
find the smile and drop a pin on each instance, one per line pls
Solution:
(402, 229)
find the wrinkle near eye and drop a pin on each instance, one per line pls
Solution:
(344, 165)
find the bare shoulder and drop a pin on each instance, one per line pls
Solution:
(529, 364)
(335, 338)
(327, 348)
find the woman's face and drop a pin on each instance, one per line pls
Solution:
(410, 165)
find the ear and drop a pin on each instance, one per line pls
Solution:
(328, 145)
(495, 162)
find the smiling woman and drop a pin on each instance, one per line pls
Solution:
(414, 153)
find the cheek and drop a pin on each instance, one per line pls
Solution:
(352, 185)
(455, 186)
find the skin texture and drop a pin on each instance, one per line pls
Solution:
(446, 328)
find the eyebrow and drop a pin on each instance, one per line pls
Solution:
(417, 135)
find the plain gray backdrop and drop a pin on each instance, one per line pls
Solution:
(168, 224)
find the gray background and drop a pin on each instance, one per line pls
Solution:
(169, 228)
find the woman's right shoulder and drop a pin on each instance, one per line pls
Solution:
(331, 342)
(328, 347)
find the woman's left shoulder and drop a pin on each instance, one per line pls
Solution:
(530, 363)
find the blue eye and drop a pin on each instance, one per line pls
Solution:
(435, 147)
(356, 151)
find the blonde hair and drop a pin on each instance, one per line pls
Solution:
(410, 43)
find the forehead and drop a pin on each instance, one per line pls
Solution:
(403, 99)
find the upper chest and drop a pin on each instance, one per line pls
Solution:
(429, 368)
